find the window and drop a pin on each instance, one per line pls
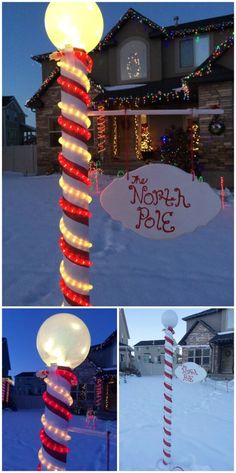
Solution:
(194, 51)
(133, 60)
(190, 355)
(54, 132)
(159, 358)
(206, 356)
(146, 357)
(229, 319)
(201, 356)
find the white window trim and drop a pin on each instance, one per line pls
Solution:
(178, 67)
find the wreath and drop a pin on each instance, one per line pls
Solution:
(216, 126)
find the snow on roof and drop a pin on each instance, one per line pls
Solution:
(225, 333)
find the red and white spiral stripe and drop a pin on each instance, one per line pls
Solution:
(54, 433)
(74, 159)
(168, 375)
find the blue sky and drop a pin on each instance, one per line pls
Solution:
(24, 36)
(145, 324)
(21, 326)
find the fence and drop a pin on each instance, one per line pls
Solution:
(20, 159)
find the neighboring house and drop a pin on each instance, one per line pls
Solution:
(28, 390)
(125, 350)
(142, 65)
(7, 382)
(209, 340)
(149, 357)
(14, 129)
(97, 379)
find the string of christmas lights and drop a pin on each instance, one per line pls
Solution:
(99, 388)
(137, 137)
(74, 159)
(206, 67)
(101, 132)
(54, 433)
(115, 138)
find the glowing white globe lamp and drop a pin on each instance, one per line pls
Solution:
(76, 24)
(64, 340)
(169, 318)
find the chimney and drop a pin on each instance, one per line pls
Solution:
(176, 20)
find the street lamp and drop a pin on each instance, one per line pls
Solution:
(63, 342)
(75, 29)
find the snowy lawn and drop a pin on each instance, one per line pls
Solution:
(194, 269)
(202, 431)
(21, 443)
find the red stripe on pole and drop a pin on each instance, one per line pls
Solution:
(167, 386)
(168, 375)
(167, 432)
(167, 409)
(167, 397)
(166, 454)
(169, 340)
(168, 444)
(167, 420)
(168, 364)
(168, 352)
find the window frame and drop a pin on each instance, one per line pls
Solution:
(180, 68)
(50, 132)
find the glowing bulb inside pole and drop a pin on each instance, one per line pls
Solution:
(76, 24)
(63, 339)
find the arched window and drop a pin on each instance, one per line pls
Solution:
(133, 60)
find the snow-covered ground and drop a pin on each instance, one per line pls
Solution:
(194, 269)
(202, 430)
(87, 450)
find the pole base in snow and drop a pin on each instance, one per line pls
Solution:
(160, 466)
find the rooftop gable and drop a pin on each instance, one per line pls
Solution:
(201, 314)
(150, 343)
(209, 328)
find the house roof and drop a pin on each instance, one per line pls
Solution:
(130, 14)
(203, 313)
(109, 340)
(218, 73)
(209, 24)
(122, 313)
(27, 374)
(7, 99)
(5, 355)
(223, 338)
(212, 330)
(150, 343)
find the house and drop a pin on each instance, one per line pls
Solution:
(209, 341)
(28, 390)
(125, 351)
(140, 64)
(7, 382)
(14, 129)
(149, 357)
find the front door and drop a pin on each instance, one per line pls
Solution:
(227, 359)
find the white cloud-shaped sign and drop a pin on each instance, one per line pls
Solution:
(159, 201)
(190, 373)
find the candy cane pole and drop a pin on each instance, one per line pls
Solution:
(63, 343)
(74, 28)
(169, 320)
(54, 433)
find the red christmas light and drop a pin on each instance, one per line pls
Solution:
(68, 375)
(73, 297)
(74, 88)
(52, 444)
(84, 58)
(60, 410)
(73, 170)
(75, 255)
(73, 128)
(73, 209)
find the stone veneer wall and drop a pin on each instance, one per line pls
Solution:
(199, 336)
(217, 151)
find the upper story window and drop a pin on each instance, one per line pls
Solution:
(133, 60)
(193, 51)
(229, 319)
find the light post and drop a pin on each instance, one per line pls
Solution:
(63, 342)
(169, 320)
(75, 29)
